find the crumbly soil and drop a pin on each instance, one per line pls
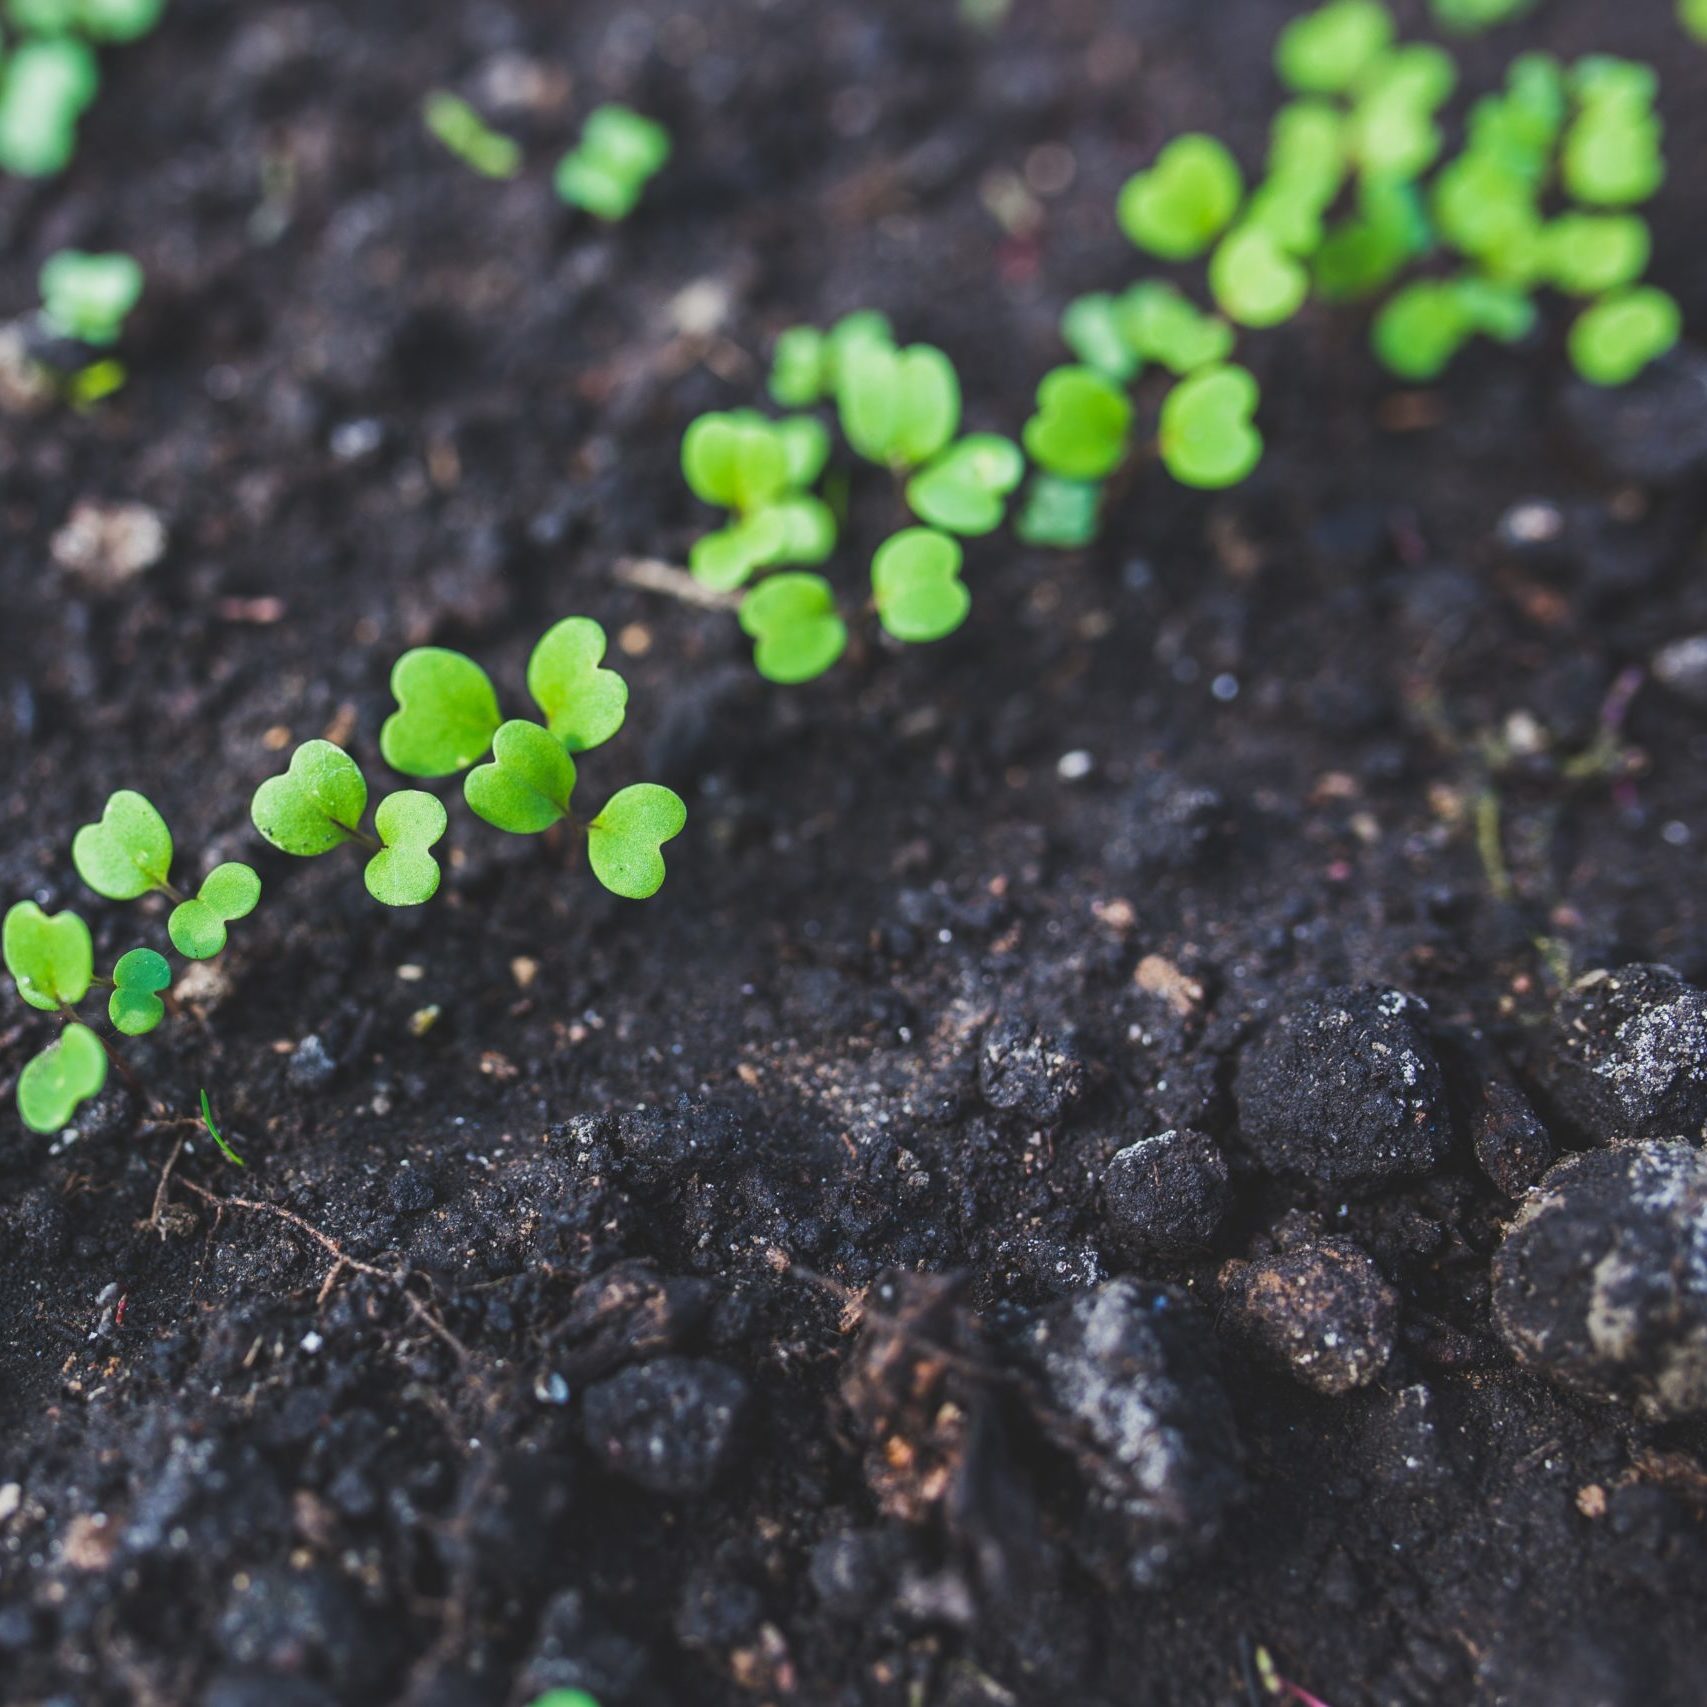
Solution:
(477, 1381)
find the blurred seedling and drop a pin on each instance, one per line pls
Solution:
(619, 154)
(454, 122)
(89, 297)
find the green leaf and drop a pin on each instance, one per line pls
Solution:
(1589, 254)
(446, 716)
(1420, 330)
(316, 805)
(50, 958)
(1307, 150)
(135, 1006)
(1692, 14)
(1500, 311)
(728, 558)
(1615, 339)
(88, 297)
(793, 620)
(1059, 513)
(915, 582)
(737, 461)
(808, 530)
(1185, 201)
(1207, 437)
(798, 379)
(805, 448)
(1394, 136)
(1486, 209)
(898, 407)
(619, 152)
(119, 20)
(214, 1133)
(623, 841)
(461, 129)
(1256, 282)
(64, 1075)
(1091, 329)
(128, 853)
(526, 787)
(1161, 325)
(403, 873)
(584, 705)
(965, 489)
(197, 927)
(1612, 156)
(1079, 431)
(45, 85)
(1325, 52)
(1470, 16)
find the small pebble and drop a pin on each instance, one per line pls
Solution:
(1165, 1196)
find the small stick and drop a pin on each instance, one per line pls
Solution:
(653, 575)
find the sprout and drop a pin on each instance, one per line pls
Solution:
(1185, 201)
(88, 297)
(1421, 329)
(793, 621)
(623, 842)
(1160, 325)
(1487, 210)
(1588, 254)
(1307, 160)
(965, 489)
(64, 1075)
(317, 805)
(1394, 136)
(446, 716)
(135, 1007)
(526, 786)
(1091, 328)
(214, 1133)
(1366, 252)
(1520, 128)
(1327, 51)
(619, 153)
(128, 853)
(1207, 436)
(898, 407)
(1470, 16)
(584, 703)
(808, 363)
(1255, 280)
(1059, 513)
(915, 582)
(462, 130)
(50, 956)
(1080, 429)
(197, 927)
(403, 873)
(45, 85)
(1612, 155)
(1617, 337)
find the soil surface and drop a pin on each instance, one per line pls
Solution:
(738, 1298)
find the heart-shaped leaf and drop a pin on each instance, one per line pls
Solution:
(623, 841)
(1161, 325)
(1254, 279)
(1615, 339)
(316, 805)
(1588, 254)
(1207, 438)
(1079, 430)
(1326, 51)
(737, 461)
(805, 444)
(128, 853)
(1091, 329)
(1059, 513)
(403, 873)
(135, 1006)
(792, 618)
(197, 927)
(730, 557)
(798, 367)
(584, 705)
(51, 958)
(446, 716)
(619, 151)
(965, 489)
(1420, 329)
(526, 787)
(87, 297)
(898, 407)
(915, 582)
(1185, 201)
(65, 1074)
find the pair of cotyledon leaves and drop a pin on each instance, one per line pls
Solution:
(128, 853)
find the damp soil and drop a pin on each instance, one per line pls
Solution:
(718, 1301)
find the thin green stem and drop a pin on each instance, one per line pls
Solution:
(360, 837)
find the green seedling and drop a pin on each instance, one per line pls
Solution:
(214, 1133)
(45, 86)
(1185, 201)
(526, 786)
(1328, 51)
(1394, 133)
(1255, 280)
(404, 873)
(808, 363)
(1469, 17)
(197, 927)
(965, 489)
(620, 152)
(899, 407)
(118, 20)
(50, 956)
(1589, 254)
(623, 842)
(1692, 14)
(1616, 338)
(1091, 329)
(1307, 162)
(584, 703)
(1081, 428)
(1612, 154)
(1208, 437)
(564, 1698)
(134, 1006)
(128, 853)
(1059, 513)
(1366, 252)
(447, 713)
(1421, 329)
(1161, 325)
(1488, 210)
(916, 585)
(89, 297)
(453, 122)
(797, 632)
(65, 1075)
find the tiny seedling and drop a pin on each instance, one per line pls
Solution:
(1612, 156)
(1616, 338)
(899, 407)
(619, 153)
(65, 1075)
(1692, 14)
(197, 927)
(1207, 433)
(1255, 280)
(1081, 428)
(1328, 51)
(1185, 201)
(135, 1007)
(1160, 324)
(795, 627)
(916, 585)
(1395, 136)
(46, 84)
(453, 122)
(89, 297)
(807, 365)
(215, 1134)
(1062, 514)
(965, 489)
(1091, 328)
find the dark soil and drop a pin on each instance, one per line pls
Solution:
(720, 1302)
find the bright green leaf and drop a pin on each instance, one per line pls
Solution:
(1207, 436)
(217, 1136)
(461, 129)
(623, 841)
(1325, 52)
(584, 704)
(793, 621)
(64, 1075)
(1420, 330)
(316, 805)
(197, 927)
(1256, 282)
(1470, 16)
(619, 153)
(737, 461)
(50, 957)
(526, 786)
(1080, 429)
(128, 853)
(134, 1006)
(798, 378)
(1589, 254)
(1185, 201)
(965, 489)
(898, 407)
(1160, 325)
(728, 558)
(916, 585)
(1091, 329)
(88, 297)
(446, 716)
(403, 873)
(1059, 513)
(1617, 337)
(45, 85)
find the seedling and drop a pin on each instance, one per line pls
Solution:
(619, 153)
(1080, 431)
(89, 297)
(1328, 51)
(134, 1007)
(197, 927)
(1185, 201)
(795, 626)
(1207, 436)
(65, 1075)
(1162, 325)
(899, 407)
(1589, 254)
(1091, 329)
(965, 489)
(1612, 155)
(1394, 135)
(916, 585)
(1621, 334)
(807, 365)
(1255, 280)
(1692, 14)
(1059, 513)
(461, 129)
(214, 1133)
(46, 83)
